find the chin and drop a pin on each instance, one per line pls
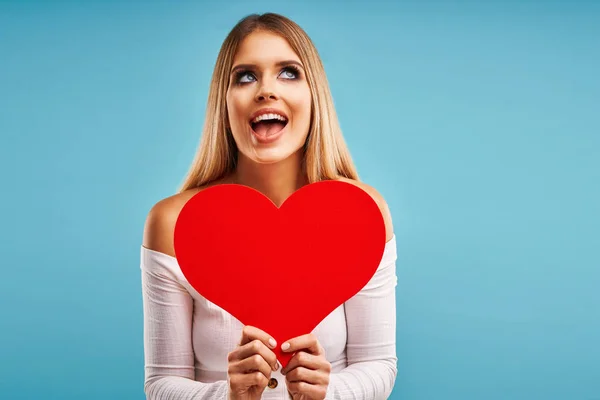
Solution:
(271, 155)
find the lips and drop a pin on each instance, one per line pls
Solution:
(267, 110)
(269, 128)
(268, 131)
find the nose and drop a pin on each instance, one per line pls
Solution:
(266, 92)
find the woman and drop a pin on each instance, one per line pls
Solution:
(270, 125)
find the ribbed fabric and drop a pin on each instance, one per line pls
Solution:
(187, 338)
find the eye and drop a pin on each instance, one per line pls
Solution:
(243, 75)
(289, 73)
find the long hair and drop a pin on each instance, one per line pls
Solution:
(326, 155)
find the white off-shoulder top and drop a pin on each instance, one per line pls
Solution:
(187, 338)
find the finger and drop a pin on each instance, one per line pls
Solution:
(255, 347)
(308, 390)
(254, 363)
(302, 374)
(249, 380)
(250, 333)
(306, 360)
(305, 342)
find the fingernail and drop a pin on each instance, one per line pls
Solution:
(276, 366)
(285, 346)
(272, 342)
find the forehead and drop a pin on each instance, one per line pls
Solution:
(262, 47)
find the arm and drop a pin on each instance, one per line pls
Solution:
(168, 308)
(371, 346)
(371, 324)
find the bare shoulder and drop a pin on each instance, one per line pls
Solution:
(162, 217)
(378, 198)
(160, 222)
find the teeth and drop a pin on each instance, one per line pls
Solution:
(264, 117)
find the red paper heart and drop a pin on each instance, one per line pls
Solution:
(282, 270)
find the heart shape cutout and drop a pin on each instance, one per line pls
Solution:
(282, 270)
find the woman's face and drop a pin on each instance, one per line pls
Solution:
(268, 99)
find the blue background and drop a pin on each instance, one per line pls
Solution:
(479, 123)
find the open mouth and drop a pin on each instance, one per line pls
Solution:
(268, 125)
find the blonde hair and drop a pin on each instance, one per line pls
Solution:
(326, 155)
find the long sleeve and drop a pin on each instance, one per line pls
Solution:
(371, 345)
(168, 351)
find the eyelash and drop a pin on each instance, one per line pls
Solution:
(291, 68)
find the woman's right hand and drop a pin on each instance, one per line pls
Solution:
(250, 364)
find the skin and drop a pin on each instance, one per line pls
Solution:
(307, 373)
(275, 170)
(271, 168)
(250, 364)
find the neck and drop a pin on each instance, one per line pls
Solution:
(277, 181)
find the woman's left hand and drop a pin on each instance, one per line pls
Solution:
(307, 373)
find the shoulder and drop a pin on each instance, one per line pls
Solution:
(160, 222)
(378, 198)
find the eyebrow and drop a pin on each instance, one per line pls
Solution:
(279, 64)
